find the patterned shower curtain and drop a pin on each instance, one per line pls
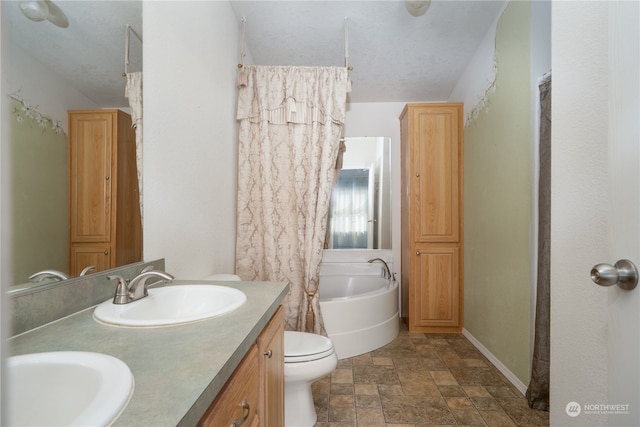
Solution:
(133, 92)
(290, 120)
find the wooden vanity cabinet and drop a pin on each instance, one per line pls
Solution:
(238, 400)
(105, 227)
(271, 348)
(432, 211)
(255, 391)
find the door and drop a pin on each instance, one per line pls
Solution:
(624, 212)
(83, 255)
(436, 157)
(595, 331)
(90, 169)
(436, 302)
(271, 353)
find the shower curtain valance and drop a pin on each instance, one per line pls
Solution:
(302, 95)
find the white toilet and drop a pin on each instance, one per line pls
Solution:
(307, 357)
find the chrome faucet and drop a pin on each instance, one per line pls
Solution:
(386, 273)
(48, 274)
(131, 290)
(87, 269)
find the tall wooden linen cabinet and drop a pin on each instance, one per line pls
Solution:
(105, 227)
(432, 211)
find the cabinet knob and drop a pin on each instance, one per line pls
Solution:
(268, 353)
(418, 175)
(106, 251)
(106, 178)
(418, 253)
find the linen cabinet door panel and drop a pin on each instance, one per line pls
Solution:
(436, 303)
(85, 255)
(436, 162)
(90, 183)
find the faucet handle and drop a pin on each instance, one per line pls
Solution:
(122, 289)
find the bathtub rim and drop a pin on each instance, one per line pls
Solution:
(390, 286)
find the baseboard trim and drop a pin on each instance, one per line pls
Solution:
(496, 362)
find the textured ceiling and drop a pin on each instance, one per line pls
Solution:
(89, 54)
(396, 57)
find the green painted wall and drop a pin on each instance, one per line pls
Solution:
(498, 202)
(39, 194)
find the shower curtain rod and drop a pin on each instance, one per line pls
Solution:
(346, 44)
(128, 32)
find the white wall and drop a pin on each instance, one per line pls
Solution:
(190, 136)
(36, 85)
(190, 133)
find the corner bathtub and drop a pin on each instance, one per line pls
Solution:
(360, 312)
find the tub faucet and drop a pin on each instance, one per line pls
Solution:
(131, 290)
(386, 273)
(48, 274)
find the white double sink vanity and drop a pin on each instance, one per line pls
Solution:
(160, 360)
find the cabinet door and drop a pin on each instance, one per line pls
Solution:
(85, 255)
(271, 348)
(90, 176)
(436, 299)
(238, 401)
(435, 156)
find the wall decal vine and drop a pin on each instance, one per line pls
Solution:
(26, 113)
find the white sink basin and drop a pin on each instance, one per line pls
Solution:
(172, 305)
(66, 388)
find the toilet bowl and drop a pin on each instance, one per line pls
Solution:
(307, 357)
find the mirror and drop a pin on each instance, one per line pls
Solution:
(48, 70)
(360, 212)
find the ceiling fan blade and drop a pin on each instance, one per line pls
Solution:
(56, 15)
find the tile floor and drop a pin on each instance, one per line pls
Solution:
(421, 380)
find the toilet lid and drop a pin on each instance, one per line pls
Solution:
(303, 346)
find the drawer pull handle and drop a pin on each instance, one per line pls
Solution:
(247, 408)
(268, 353)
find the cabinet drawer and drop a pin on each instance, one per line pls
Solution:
(239, 398)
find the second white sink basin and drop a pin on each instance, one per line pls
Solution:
(172, 305)
(66, 388)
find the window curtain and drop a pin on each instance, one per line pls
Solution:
(538, 391)
(133, 92)
(290, 121)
